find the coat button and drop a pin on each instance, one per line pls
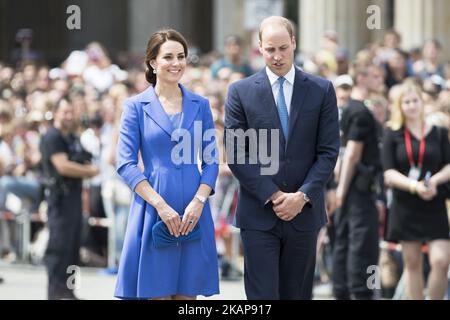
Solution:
(288, 160)
(284, 184)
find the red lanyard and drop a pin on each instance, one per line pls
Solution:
(409, 147)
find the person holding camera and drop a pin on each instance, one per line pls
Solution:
(64, 163)
(416, 157)
(356, 221)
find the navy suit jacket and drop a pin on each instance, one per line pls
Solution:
(306, 159)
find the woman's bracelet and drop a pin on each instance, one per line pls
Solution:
(413, 187)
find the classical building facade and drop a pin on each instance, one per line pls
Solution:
(416, 20)
(125, 25)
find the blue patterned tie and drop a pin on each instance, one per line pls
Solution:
(282, 108)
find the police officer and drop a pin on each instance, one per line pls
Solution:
(64, 164)
(356, 222)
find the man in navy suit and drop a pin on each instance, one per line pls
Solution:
(280, 213)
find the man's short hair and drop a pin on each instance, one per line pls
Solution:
(281, 21)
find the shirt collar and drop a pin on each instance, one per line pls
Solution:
(290, 76)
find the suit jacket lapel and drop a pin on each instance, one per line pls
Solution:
(190, 108)
(154, 109)
(299, 93)
(268, 102)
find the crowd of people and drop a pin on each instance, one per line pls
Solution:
(373, 195)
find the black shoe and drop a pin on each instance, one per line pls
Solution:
(231, 273)
(1, 280)
(61, 294)
(341, 296)
(362, 296)
(70, 296)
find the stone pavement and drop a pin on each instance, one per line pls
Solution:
(23, 282)
(26, 282)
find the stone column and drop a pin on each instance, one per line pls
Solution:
(228, 19)
(148, 16)
(419, 20)
(347, 17)
(377, 35)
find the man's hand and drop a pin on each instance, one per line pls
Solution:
(339, 196)
(275, 195)
(93, 170)
(288, 205)
(331, 201)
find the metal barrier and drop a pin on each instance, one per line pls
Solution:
(19, 213)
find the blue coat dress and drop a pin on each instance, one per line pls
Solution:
(189, 268)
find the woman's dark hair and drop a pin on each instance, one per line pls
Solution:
(155, 42)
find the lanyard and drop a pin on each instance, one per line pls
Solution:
(409, 147)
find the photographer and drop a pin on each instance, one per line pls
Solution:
(65, 163)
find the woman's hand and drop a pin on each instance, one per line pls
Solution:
(426, 192)
(170, 217)
(191, 216)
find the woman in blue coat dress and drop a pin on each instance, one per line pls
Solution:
(170, 127)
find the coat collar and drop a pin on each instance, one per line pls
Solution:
(154, 109)
(300, 90)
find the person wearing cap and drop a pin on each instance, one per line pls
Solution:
(356, 220)
(343, 85)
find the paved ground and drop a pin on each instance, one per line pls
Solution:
(29, 283)
(24, 282)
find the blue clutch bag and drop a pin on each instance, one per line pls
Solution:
(162, 237)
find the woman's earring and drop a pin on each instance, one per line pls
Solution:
(154, 71)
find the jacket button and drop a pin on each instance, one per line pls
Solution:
(288, 160)
(284, 184)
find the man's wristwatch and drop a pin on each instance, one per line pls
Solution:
(306, 198)
(200, 198)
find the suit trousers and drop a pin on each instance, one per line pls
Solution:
(279, 263)
(355, 245)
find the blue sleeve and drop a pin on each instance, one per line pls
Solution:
(128, 147)
(327, 148)
(210, 153)
(249, 175)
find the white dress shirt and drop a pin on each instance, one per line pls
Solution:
(288, 86)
